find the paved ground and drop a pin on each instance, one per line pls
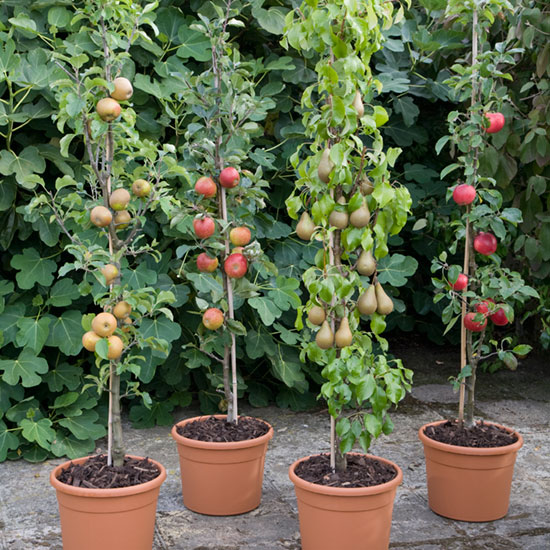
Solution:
(28, 508)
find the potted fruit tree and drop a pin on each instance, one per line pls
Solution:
(350, 207)
(222, 456)
(109, 500)
(470, 464)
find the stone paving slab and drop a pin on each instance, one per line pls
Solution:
(29, 516)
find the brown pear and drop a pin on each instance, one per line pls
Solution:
(360, 217)
(367, 303)
(358, 104)
(366, 264)
(385, 304)
(325, 166)
(366, 187)
(338, 219)
(317, 315)
(343, 336)
(325, 336)
(305, 227)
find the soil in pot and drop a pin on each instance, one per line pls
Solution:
(362, 471)
(218, 430)
(95, 474)
(480, 436)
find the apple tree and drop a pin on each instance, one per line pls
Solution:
(482, 289)
(106, 214)
(233, 280)
(349, 204)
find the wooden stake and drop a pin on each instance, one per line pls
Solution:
(463, 336)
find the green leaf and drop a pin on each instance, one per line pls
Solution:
(9, 60)
(40, 432)
(161, 328)
(28, 162)
(8, 191)
(396, 269)
(84, 426)
(33, 269)
(193, 44)
(286, 369)
(140, 277)
(158, 414)
(259, 343)
(27, 368)
(66, 332)
(33, 332)
(63, 293)
(266, 308)
(206, 283)
(59, 16)
(272, 20)
(69, 446)
(8, 441)
(63, 376)
(284, 295)
(8, 394)
(9, 319)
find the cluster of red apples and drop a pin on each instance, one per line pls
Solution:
(235, 264)
(484, 242)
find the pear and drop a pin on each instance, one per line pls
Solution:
(385, 304)
(343, 336)
(338, 219)
(360, 217)
(366, 187)
(358, 104)
(305, 227)
(367, 303)
(325, 166)
(317, 315)
(366, 265)
(325, 336)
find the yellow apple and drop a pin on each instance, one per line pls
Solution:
(108, 109)
(122, 310)
(123, 89)
(101, 216)
(104, 324)
(115, 347)
(90, 339)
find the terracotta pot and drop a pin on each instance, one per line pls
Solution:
(336, 517)
(221, 479)
(469, 483)
(107, 519)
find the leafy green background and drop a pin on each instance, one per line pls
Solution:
(42, 366)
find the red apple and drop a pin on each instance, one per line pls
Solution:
(473, 325)
(485, 243)
(484, 306)
(212, 318)
(499, 317)
(229, 177)
(206, 186)
(206, 263)
(235, 265)
(461, 282)
(496, 122)
(204, 226)
(240, 236)
(464, 194)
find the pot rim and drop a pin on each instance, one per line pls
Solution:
(478, 451)
(219, 445)
(110, 492)
(346, 491)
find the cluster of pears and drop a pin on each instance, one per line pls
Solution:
(339, 218)
(325, 337)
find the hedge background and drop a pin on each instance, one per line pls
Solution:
(41, 358)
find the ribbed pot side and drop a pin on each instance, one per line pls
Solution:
(467, 483)
(351, 518)
(221, 479)
(107, 519)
